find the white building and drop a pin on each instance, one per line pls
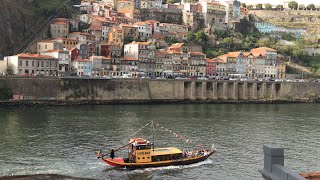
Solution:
(64, 58)
(83, 67)
(144, 29)
(33, 64)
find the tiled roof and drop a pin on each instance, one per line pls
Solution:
(99, 57)
(176, 45)
(172, 52)
(35, 56)
(129, 59)
(197, 53)
(59, 23)
(64, 39)
(233, 54)
(127, 25)
(140, 43)
(61, 19)
(264, 49)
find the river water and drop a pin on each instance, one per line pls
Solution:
(63, 140)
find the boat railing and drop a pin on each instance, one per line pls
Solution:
(196, 153)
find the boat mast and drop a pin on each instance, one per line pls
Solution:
(153, 135)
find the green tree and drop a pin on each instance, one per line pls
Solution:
(172, 1)
(250, 7)
(315, 68)
(279, 7)
(311, 7)
(293, 5)
(268, 6)
(9, 70)
(289, 37)
(201, 37)
(264, 42)
(259, 7)
(171, 39)
(244, 5)
(190, 37)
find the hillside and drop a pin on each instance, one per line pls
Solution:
(293, 19)
(19, 19)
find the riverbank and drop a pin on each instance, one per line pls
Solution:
(42, 177)
(143, 102)
(28, 91)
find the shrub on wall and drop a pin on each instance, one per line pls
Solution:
(5, 94)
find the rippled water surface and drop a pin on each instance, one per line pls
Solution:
(63, 140)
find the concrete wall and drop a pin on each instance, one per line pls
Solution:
(144, 90)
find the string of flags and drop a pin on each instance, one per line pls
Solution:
(177, 135)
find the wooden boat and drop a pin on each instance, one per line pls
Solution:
(142, 154)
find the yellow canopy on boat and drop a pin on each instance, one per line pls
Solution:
(165, 151)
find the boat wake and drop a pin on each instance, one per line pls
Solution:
(207, 161)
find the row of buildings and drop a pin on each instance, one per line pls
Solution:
(116, 41)
(141, 59)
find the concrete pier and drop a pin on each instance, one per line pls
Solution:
(273, 168)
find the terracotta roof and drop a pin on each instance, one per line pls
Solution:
(61, 19)
(64, 39)
(233, 54)
(172, 52)
(220, 59)
(210, 60)
(95, 27)
(197, 53)
(127, 25)
(140, 43)
(152, 21)
(129, 59)
(35, 56)
(141, 23)
(159, 54)
(264, 49)
(99, 57)
(176, 45)
(59, 23)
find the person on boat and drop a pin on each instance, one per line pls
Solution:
(112, 155)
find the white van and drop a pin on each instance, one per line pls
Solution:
(126, 76)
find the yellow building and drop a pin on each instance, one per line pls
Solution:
(47, 45)
(116, 36)
(130, 31)
(67, 43)
(126, 7)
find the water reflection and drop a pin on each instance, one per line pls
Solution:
(63, 140)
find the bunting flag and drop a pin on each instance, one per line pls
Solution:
(178, 136)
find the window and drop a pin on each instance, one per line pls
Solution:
(20, 63)
(27, 63)
(32, 63)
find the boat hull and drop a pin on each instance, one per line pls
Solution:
(184, 161)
